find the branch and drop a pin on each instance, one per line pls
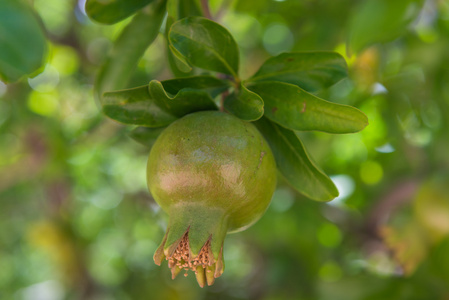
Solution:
(206, 9)
(395, 198)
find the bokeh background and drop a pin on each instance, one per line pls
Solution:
(77, 221)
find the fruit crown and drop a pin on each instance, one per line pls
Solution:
(193, 243)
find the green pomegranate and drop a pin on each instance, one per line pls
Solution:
(213, 174)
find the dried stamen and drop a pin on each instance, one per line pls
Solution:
(181, 256)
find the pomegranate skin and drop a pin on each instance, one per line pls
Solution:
(213, 174)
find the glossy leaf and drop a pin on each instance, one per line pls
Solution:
(311, 71)
(244, 104)
(135, 106)
(113, 11)
(205, 44)
(178, 64)
(186, 101)
(129, 48)
(201, 82)
(294, 163)
(296, 109)
(22, 40)
(152, 106)
(145, 135)
(377, 21)
(179, 9)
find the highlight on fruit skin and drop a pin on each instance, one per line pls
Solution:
(213, 174)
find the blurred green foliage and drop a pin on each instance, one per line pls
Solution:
(77, 221)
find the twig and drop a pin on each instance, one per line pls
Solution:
(392, 200)
(223, 97)
(221, 11)
(206, 9)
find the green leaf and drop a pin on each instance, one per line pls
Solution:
(202, 82)
(178, 9)
(22, 40)
(377, 21)
(129, 48)
(244, 104)
(113, 11)
(294, 163)
(151, 106)
(145, 135)
(186, 101)
(311, 71)
(135, 106)
(178, 63)
(205, 44)
(296, 109)
(439, 259)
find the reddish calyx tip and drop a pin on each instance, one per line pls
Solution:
(205, 267)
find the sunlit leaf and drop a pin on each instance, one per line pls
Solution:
(294, 163)
(311, 71)
(113, 11)
(244, 104)
(205, 44)
(145, 135)
(431, 206)
(128, 49)
(408, 243)
(296, 109)
(22, 40)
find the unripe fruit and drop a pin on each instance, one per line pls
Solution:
(213, 174)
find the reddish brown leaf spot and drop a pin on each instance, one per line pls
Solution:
(290, 59)
(274, 109)
(303, 107)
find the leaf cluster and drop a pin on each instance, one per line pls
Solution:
(280, 98)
